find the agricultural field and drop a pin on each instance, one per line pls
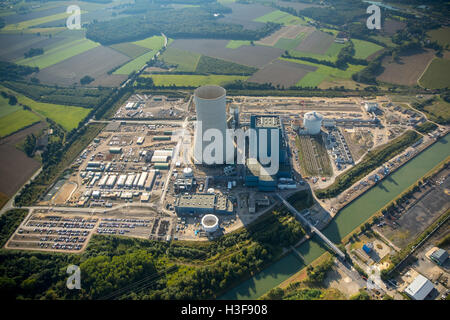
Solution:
(437, 75)
(330, 55)
(130, 49)
(217, 66)
(95, 63)
(439, 110)
(282, 73)
(364, 49)
(325, 73)
(280, 17)
(15, 166)
(135, 64)
(35, 22)
(59, 53)
(16, 120)
(290, 35)
(234, 44)
(184, 60)
(67, 116)
(408, 71)
(152, 43)
(316, 42)
(441, 35)
(193, 80)
(255, 56)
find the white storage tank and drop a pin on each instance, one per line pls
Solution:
(187, 173)
(210, 223)
(210, 104)
(312, 122)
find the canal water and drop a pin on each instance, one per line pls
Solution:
(345, 222)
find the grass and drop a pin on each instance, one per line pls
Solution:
(16, 121)
(130, 49)
(59, 53)
(324, 73)
(6, 108)
(281, 17)
(135, 64)
(152, 43)
(35, 22)
(193, 80)
(438, 111)
(364, 49)
(440, 35)
(234, 44)
(67, 116)
(437, 75)
(184, 60)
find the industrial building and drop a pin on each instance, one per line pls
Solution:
(420, 288)
(203, 204)
(312, 122)
(439, 256)
(210, 104)
(370, 106)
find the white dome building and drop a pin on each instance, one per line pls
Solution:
(210, 223)
(312, 122)
(210, 104)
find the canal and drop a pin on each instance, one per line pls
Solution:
(344, 223)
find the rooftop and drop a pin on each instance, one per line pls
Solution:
(267, 122)
(419, 288)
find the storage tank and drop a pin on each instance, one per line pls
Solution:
(210, 223)
(312, 122)
(210, 103)
(187, 172)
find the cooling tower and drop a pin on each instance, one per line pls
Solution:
(312, 122)
(210, 104)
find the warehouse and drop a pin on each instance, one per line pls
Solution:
(151, 178)
(156, 158)
(420, 288)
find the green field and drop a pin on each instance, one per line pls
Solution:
(234, 44)
(130, 49)
(152, 43)
(437, 76)
(281, 17)
(6, 108)
(136, 64)
(59, 53)
(324, 73)
(35, 22)
(364, 49)
(442, 35)
(67, 116)
(289, 44)
(438, 111)
(193, 80)
(16, 121)
(330, 55)
(184, 60)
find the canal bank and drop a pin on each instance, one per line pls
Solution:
(345, 222)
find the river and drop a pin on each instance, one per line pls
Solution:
(344, 223)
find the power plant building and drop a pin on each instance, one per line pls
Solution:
(200, 203)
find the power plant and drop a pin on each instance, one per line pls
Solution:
(210, 105)
(210, 223)
(312, 122)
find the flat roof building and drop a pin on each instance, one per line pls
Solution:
(203, 204)
(420, 288)
(439, 256)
